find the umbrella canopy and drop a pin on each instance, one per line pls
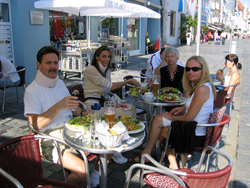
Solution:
(116, 8)
(69, 6)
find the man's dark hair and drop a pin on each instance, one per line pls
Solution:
(46, 50)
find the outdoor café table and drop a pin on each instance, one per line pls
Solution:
(158, 104)
(97, 148)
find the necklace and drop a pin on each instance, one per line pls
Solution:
(170, 74)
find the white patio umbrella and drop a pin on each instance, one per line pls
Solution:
(115, 8)
(69, 6)
(118, 8)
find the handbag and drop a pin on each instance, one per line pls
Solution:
(101, 100)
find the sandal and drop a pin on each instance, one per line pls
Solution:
(132, 160)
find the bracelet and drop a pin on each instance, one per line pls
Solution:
(82, 112)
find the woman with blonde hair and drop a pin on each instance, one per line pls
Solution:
(198, 107)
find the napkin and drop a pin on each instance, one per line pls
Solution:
(119, 128)
(103, 127)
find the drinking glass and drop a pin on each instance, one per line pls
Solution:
(109, 112)
(156, 84)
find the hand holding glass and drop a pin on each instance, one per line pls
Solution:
(109, 112)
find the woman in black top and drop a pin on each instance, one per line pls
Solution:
(170, 73)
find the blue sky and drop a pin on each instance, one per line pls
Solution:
(243, 2)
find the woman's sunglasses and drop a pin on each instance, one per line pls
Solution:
(194, 69)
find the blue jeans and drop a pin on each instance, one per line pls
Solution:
(9, 83)
(223, 40)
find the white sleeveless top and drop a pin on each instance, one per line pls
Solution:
(227, 79)
(204, 113)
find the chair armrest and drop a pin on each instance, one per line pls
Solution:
(15, 72)
(55, 140)
(154, 169)
(10, 178)
(85, 107)
(158, 165)
(217, 152)
(115, 97)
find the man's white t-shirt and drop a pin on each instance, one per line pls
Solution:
(38, 99)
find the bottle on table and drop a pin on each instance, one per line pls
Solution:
(96, 118)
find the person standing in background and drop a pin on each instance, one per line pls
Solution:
(223, 37)
(5, 68)
(188, 35)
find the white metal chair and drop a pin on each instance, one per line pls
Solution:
(21, 71)
(217, 178)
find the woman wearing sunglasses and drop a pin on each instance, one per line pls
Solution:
(233, 77)
(198, 107)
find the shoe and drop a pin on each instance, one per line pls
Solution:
(118, 158)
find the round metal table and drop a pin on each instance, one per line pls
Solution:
(95, 147)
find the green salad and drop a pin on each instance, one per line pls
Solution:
(80, 123)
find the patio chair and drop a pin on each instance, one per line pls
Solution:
(197, 179)
(215, 126)
(173, 180)
(230, 102)
(21, 72)
(220, 98)
(20, 157)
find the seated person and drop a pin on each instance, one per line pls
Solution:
(171, 74)
(6, 67)
(97, 83)
(233, 77)
(48, 105)
(156, 60)
(199, 106)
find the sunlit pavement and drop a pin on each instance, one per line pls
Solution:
(235, 142)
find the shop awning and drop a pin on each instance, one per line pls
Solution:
(116, 8)
(216, 27)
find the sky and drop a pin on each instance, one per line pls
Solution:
(243, 2)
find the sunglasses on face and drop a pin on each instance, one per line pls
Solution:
(194, 69)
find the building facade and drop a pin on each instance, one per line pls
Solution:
(26, 29)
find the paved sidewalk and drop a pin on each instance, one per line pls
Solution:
(235, 142)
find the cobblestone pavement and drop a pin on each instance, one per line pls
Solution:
(235, 142)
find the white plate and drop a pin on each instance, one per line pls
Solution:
(127, 92)
(150, 100)
(73, 129)
(183, 99)
(138, 130)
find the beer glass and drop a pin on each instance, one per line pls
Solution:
(156, 84)
(109, 112)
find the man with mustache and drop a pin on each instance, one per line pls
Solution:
(48, 105)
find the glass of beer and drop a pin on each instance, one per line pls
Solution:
(156, 84)
(109, 112)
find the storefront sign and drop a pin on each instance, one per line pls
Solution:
(36, 17)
